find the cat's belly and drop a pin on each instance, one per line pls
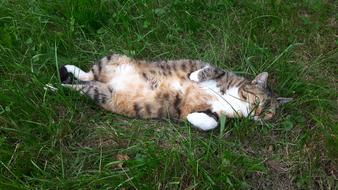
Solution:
(125, 78)
(147, 98)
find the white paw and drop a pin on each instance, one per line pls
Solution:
(202, 121)
(70, 68)
(78, 73)
(50, 87)
(194, 75)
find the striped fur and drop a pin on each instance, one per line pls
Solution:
(162, 89)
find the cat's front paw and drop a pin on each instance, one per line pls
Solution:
(194, 76)
(202, 121)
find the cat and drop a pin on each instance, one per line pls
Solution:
(184, 89)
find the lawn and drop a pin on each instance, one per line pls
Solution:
(60, 140)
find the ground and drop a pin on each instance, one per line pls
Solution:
(64, 141)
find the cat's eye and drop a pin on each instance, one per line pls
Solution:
(268, 115)
(268, 112)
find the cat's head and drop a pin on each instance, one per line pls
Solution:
(261, 99)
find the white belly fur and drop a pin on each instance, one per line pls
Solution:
(124, 77)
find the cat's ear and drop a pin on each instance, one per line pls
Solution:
(282, 100)
(261, 79)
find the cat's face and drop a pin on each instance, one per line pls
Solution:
(261, 99)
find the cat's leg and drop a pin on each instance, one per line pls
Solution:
(202, 121)
(66, 73)
(206, 73)
(76, 72)
(97, 91)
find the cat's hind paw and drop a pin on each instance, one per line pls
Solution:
(65, 76)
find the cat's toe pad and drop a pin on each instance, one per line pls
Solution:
(202, 121)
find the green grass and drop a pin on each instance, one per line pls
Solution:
(63, 141)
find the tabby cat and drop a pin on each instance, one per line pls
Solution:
(177, 89)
